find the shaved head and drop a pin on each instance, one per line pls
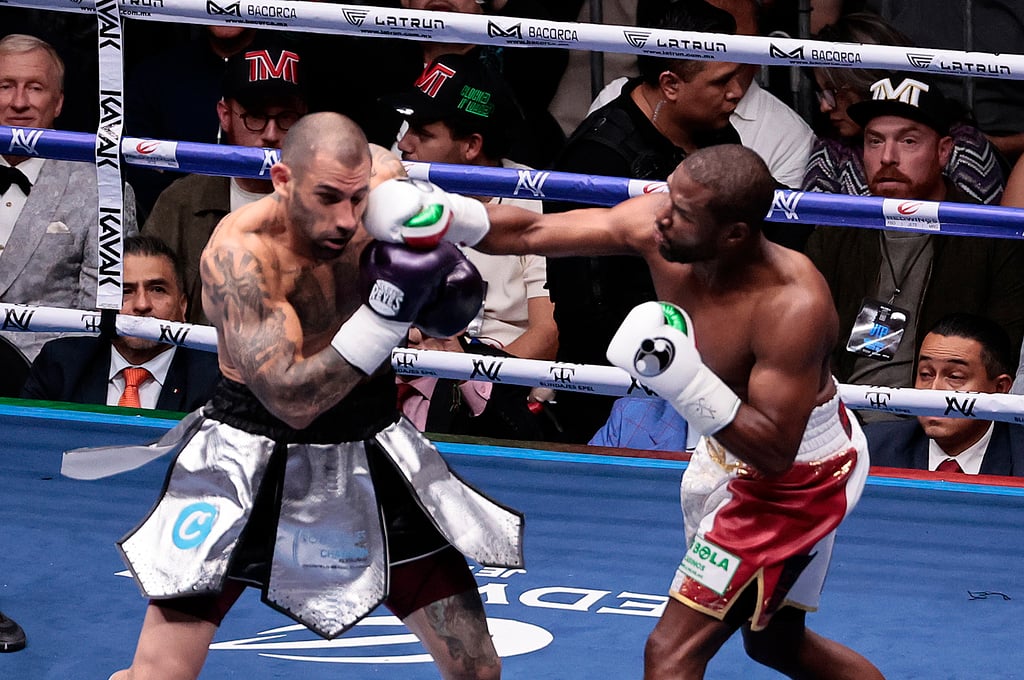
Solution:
(325, 134)
(743, 185)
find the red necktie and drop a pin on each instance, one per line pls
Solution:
(133, 377)
(950, 465)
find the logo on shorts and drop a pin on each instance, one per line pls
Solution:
(710, 565)
(193, 525)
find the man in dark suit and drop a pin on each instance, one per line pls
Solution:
(130, 371)
(961, 352)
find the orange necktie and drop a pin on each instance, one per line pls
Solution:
(133, 377)
(949, 465)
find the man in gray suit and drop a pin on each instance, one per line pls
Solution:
(48, 208)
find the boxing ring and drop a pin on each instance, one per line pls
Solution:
(919, 573)
(604, 529)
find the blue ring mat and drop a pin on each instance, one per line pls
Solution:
(603, 536)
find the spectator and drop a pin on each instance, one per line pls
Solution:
(966, 353)
(447, 126)
(173, 95)
(532, 74)
(93, 370)
(836, 163)
(905, 281)
(672, 109)
(577, 87)
(764, 123)
(466, 407)
(73, 36)
(258, 107)
(645, 423)
(48, 233)
(997, 104)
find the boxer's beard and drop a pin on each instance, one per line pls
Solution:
(686, 253)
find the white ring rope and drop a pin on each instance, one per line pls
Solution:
(584, 378)
(502, 31)
(367, 21)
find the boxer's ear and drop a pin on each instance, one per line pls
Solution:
(281, 175)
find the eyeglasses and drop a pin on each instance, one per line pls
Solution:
(257, 122)
(829, 95)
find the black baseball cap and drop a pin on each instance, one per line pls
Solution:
(905, 97)
(460, 89)
(264, 71)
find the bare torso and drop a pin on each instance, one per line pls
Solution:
(727, 322)
(322, 293)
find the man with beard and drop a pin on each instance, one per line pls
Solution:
(130, 371)
(774, 434)
(889, 284)
(299, 476)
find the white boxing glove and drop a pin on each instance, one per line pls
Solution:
(421, 215)
(655, 344)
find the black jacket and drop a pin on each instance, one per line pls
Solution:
(903, 444)
(76, 370)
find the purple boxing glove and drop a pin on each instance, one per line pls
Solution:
(401, 285)
(397, 281)
(457, 301)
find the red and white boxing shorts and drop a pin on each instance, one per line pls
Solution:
(776, 534)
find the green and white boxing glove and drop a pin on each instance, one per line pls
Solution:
(655, 344)
(421, 215)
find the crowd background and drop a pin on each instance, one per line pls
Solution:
(615, 114)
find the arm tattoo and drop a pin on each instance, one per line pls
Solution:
(256, 329)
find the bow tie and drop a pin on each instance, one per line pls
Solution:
(9, 176)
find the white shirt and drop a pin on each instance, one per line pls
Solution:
(776, 132)
(511, 281)
(149, 391)
(12, 202)
(969, 459)
(239, 197)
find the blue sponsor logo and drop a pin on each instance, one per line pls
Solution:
(193, 525)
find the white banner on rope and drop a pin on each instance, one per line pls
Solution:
(583, 378)
(363, 20)
(108, 157)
